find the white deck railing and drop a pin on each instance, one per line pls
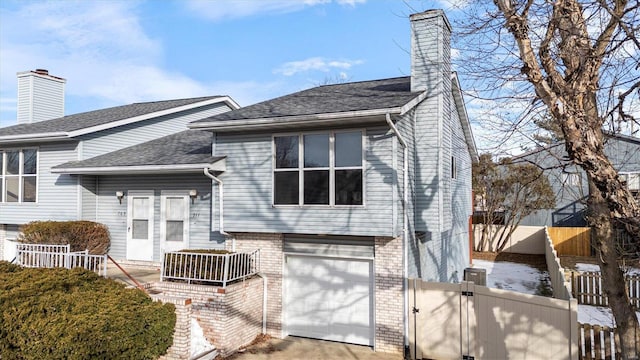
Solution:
(50, 256)
(209, 268)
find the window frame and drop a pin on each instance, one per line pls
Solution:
(454, 168)
(300, 169)
(20, 176)
(625, 176)
(571, 179)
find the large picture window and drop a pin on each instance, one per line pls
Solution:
(318, 169)
(18, 175)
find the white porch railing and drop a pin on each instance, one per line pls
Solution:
(209, 268)
(50, 256)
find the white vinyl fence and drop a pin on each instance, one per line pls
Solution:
(194, 267)
(50, 256)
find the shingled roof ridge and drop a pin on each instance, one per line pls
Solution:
(170, 100)
(361, 81)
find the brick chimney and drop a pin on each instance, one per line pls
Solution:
(430, 50)
(40, 96)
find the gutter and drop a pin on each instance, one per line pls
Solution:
(358, 116)
(58, 136)
(405, 227)
(264, 302)
(207, 173)
(137, 169)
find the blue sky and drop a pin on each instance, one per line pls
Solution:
(119, 52)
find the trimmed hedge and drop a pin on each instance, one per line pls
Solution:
(76, 314)
(80, 235)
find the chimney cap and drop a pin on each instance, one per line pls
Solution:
(41, 73)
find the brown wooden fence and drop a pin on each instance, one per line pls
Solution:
(598, 342)
(574, 241)
(587, 288)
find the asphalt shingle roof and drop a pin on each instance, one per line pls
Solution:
(97, 117)
(183, 148)
(355, 96)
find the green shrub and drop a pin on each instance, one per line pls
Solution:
(187, 266)
(80, 235)
(76, 314)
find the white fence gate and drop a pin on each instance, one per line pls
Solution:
(467, 321)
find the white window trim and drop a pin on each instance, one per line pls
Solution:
(20, 176)
(300, 169)
(571, 179)
(626, 175)
(163, 215)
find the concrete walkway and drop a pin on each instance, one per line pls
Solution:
(141, 273)
(292, 348)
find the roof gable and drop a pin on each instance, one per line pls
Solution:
(186, 150)
(348, 98)
(83, 123)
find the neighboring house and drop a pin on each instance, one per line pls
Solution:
(569, 182)
(346, 189)
(30, 191)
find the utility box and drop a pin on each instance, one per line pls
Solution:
(478, 276)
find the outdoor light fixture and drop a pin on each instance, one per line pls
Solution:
(192, 194)
(119, 195)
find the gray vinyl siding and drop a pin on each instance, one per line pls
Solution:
(624, 153)
(460, 200)
(571, 199)
(39, 99)
(406, 127)
(440, 250)
(57, 197)
(248, 191)
(89, 201)
(105, 141)
(114, 215)
(24, 101)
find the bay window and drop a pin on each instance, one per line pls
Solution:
(18, 175)
(318, 169)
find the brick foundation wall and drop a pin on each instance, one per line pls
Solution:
(230, 318)
(181, 348)
(271, 259)
(389, 295)
(389, 327)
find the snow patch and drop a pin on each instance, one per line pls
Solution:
(511, 276)
(595, 268)
(597, 315)
(525, 279)
(199, 342)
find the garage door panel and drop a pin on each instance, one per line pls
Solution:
(328, 298)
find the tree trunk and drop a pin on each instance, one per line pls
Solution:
(603, 237)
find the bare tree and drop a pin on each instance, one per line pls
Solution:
(510, 192)
(578, 61)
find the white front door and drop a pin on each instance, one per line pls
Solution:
(329, 298)
(174, 223)
(140, 225)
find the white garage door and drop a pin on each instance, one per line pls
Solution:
(329, 298)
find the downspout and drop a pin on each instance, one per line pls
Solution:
(207, 173)
(264, 302)
(405, 228)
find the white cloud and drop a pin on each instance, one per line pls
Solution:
(315, 64)
(229, 9)
(453, 4)
(103, 52)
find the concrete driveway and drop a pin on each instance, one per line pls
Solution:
(292, 348)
